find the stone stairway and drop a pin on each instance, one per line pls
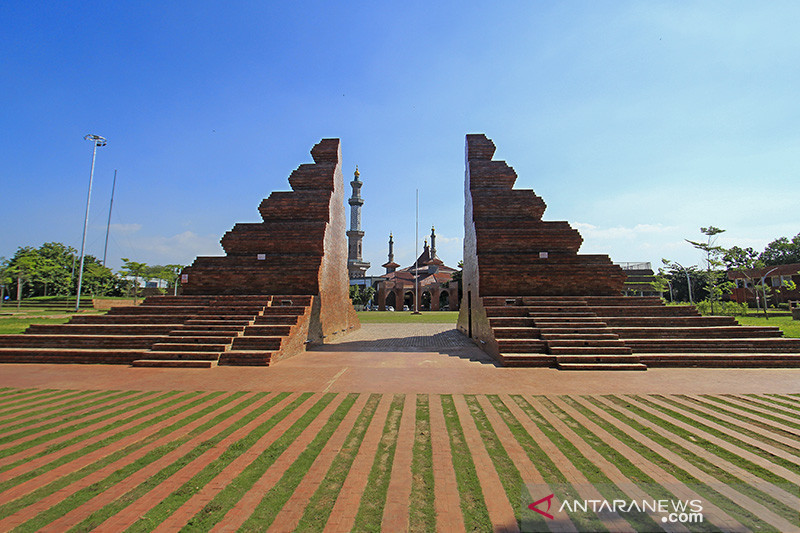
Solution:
(172, 331)
(627, 333)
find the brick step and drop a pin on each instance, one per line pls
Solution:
(643, 310)
(511, 322)
(256, 343)
(680, 321)
(160, 309)
(275, 320)
(171, 301)
(558, 313)
(233, 310)
(79, 341)
(127, 319)
(69, 356)
(521, 346)
(180, 355)
(228, 318)
(580, 337)
(210, 322)
(590, 350)
(515, 333)
(624, 301)
(493, 312)
(196, 332)
(598, 358)
(574, 330)
(188, 347)
(527, 359)
(267, 331)
(284, 310)
(782, 345)
(245, 358)
(699, 333)
(100, 329)
(561, 322)
(601, 366)
(183, 363)
(743, 360)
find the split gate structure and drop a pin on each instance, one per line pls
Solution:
(531, 300)
(282, 285)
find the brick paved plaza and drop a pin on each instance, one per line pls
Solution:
(392, 428)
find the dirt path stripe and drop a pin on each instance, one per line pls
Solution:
(344, 510)
(140, 509)
(292, 511)
(772, 406)
(23, 432)
(517, 454)
(501, 513)
(773, 400)
(395, 513)
(732, 446)
(445, 487)
(48, 404)
(99, 423)
(32, 395)
(139, 417)
(657, 472)
(764, 425)
(58, 495)
(737, 425)
(571, 473)
(768, 416)
(119, 490)
(245, 505)
(697, 450)
(739, 498)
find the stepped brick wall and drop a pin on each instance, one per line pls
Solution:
(531, 300)
(299, 247)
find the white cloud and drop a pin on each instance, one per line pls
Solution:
(181, 248)
(592, 232)
(125, 229)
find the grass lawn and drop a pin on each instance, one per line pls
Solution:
(405, 317)
(790, 328)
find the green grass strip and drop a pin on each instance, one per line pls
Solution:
(776, 406)
(718, 472)
(171, 503)
(753, 421)
(721, 400)
(149, 398)
(34, 395)
(593, 474)
(322, 501)
(82, 496)
(473, 506)
(370, 510)
(64, 459)
(273, 501)
(103, 514)
(530, 520)
(106, 401)
(776, 400)
(421, 507)
(727, 505)
(234, 491)
(49, 396)
(506, 470)
(717, 450)
(733, 427)
(636, 475)
(31, 409)
(41, 492)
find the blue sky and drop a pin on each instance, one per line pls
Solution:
(638, 122)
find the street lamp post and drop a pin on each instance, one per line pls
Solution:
(96, 141)
(764, 290)
(688, 281)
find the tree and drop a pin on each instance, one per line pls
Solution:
(782, 251)
(135, 270)
(715, 285)
(5, 279)
(361, 295)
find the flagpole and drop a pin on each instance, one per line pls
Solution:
(416, 261)
(110, 207)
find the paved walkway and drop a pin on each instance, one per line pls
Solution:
(425, 358)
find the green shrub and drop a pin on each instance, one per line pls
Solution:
(722, 308)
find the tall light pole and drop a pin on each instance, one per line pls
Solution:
(96, 141)
(764, 290)
(688, 281)
(110, 207)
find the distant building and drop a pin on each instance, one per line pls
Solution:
(640, 277)
(437, 291)
(773, 277)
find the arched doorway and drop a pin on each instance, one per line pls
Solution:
(444, 301)
(391, 301)
(408, 300)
